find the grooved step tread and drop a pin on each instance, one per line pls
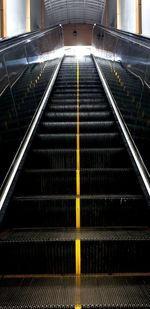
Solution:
(97, 197)
(93, 150)
(68, 292)
(54, 235)
(42, 170)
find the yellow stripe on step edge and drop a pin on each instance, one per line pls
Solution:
(77, 213)
(77, 307)
(78, 256)
(78, 151)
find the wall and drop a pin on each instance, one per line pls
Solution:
(35, 14)
(79, 34)
(146, 17)
(16, 17)
(128, 15)
(110, 14)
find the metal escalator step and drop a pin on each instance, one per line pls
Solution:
(109, 181)
(100, 140)
(63, 292)
(83, 95)
(90, 158)
(55, 141)
(52, 158)
(68, 83)
(37, 252)
(112, 251)
(73, 100)
(104, 158)
(73, 78)
(62, 101)
(71, 127)
(46, 181)
(98, 126)
(58, 141)
(83, 89)
(84, 116)
(73, 108)
(53, 251)
(41, 211)
(114, 210)
(59, 211)
(93, 181)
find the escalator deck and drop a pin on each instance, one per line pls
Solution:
(76, 231)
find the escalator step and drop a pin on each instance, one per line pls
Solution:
(90, 158)
(37, 252)
(84, 116)
(71, 127)
(41, 211)
(73, 108)
(84, 95)
(72, 90)
(104, 158)
(53, 251)
(95, 181)
(115, 252)
(114, 210)
(53, 141)
(73, 100)
(54, 159)
(64, 293)
(109, 181)
(47, 182)
(59, 211)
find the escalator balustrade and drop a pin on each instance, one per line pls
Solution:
(76, 231)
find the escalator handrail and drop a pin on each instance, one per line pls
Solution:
(134, 38)
(15, 37)
(126, 133)
(23, 35)
(8, 182)
(24, 38)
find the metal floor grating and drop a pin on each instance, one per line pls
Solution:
(61, 234)
(67, 292)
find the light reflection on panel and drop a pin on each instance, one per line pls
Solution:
(127, 70)
(9, 129)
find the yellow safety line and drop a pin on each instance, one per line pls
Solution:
(78, 256)
(78, 242)
(78, 152)
(77, 208)
(78, 307)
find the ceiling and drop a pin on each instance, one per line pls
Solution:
(74, 11)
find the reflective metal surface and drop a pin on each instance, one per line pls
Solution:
(125, 65)
(25, 70)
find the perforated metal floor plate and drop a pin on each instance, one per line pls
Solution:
(67, 292)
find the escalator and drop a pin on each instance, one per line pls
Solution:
(76, 230)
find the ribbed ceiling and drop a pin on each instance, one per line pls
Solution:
(74, 11)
